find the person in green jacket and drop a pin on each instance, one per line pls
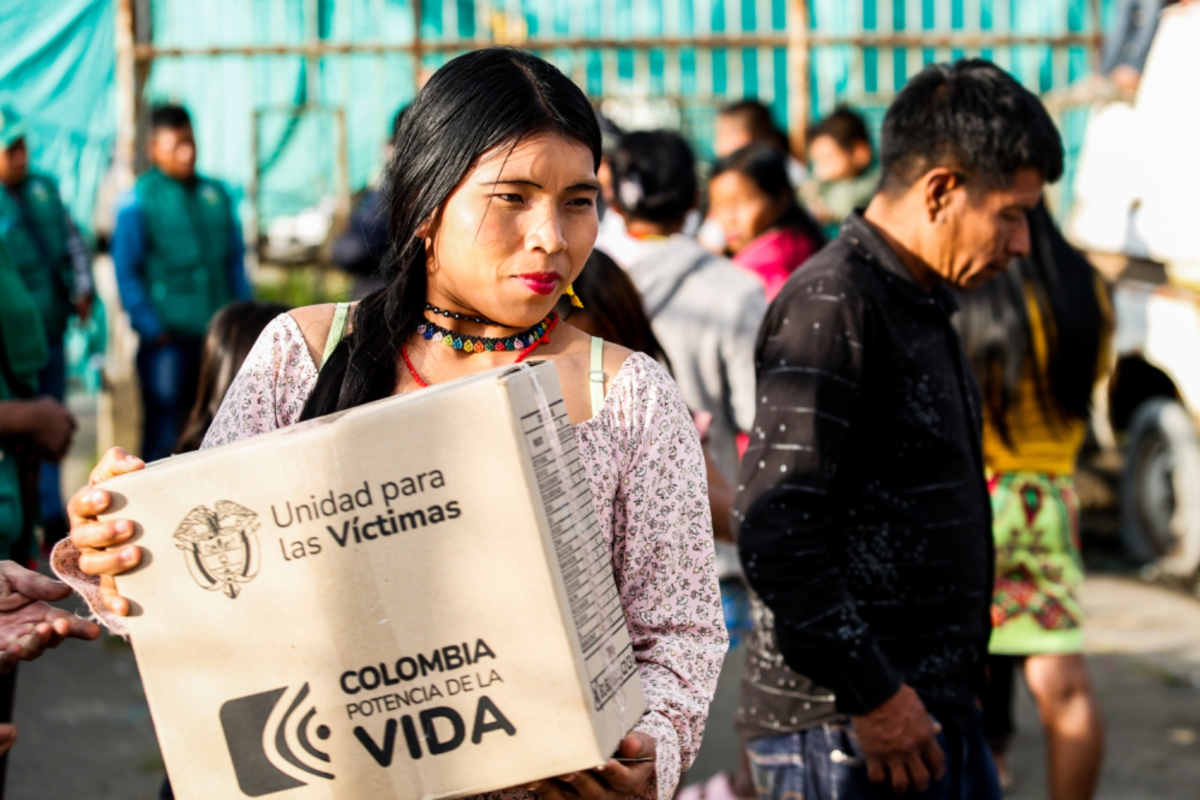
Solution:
(54, 265)
(178, 252)
(32, 428)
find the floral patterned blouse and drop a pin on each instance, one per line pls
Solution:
(647, 477)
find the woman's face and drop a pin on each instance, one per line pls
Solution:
(516, 231)
(743, 210)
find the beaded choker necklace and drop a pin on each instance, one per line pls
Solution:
(461, 317)
(543, 337)
(480, 344)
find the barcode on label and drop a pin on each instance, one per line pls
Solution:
(583, 554)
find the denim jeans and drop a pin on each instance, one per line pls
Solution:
(826, 763)
(53, 383)
(168, 374)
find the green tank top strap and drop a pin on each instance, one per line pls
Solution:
(337, 331)
(596, 374)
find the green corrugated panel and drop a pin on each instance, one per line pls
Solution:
(224, 92)
(56, 71)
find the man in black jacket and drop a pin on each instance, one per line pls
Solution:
(865, 523)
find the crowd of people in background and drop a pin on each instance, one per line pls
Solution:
(888, 446)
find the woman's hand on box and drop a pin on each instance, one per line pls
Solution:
(100, 543)
(627, 774)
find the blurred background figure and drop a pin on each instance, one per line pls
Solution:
(32, 428)
(768, 232)
(361, 249)
(844, 173)
(1128, 43)
(177, 248)
(704, 310)
(738, 125)
(1037, 337)
(745, 122)
(55, 267)
(610, 137)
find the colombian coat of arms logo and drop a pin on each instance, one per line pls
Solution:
(220, 546)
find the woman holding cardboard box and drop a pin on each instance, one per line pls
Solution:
(492, 214)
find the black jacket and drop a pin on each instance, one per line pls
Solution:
(864, 517)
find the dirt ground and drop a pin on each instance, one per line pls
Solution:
(1144, 655)
(86, 730)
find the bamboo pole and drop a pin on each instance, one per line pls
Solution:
(417, 47)
(799, 79)
(935, 39)
(125, 151)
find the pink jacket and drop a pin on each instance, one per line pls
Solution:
(775, 255)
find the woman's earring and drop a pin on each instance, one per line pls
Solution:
(575, 301)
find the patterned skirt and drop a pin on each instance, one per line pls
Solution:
(1039, 572)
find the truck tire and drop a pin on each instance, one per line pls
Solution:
(1160, 488)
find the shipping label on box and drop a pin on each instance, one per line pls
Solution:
(411, 599)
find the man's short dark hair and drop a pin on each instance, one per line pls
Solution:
(169, 116)
(843, 126)
(973, 117)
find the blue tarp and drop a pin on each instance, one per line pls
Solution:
(57, 69)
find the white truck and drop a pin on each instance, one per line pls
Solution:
(1138, 196)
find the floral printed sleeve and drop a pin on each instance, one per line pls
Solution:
(646, 471)
(270, 388)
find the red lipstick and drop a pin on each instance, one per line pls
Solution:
(540, 282)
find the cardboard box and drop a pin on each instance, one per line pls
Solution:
(411, 599)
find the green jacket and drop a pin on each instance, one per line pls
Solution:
(35, 232)
(188, 229)
(22, 356)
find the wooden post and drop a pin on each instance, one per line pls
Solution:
(312, 60)
(119, 408)
(125, 154)
(417, 54)
(799, 83)
(1097, 43)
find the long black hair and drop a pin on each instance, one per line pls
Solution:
(232, 332)
(997, 334)
(474, 104)
(767, 166)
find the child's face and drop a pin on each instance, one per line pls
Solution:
(832, 162)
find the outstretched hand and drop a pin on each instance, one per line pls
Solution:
(628, 773)
(28, 623)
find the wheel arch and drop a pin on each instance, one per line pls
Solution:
(1135, 380)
